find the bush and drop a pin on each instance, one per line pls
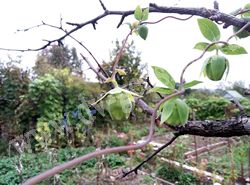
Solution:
(212, 107)
(113, 141)
(175, 175)
(115, 160)
(34, 164)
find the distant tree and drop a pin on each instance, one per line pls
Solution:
(130, 62)
(58, 57)
(13, 86)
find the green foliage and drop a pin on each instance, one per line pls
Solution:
(209, 29)
(34, 164)
(147, 179)
(112, 141)
(45, 92)
(13, 86)
(203, 45)
(191, 84)
(141, 15)
(232, 49)
(220, 163)
(143, 32)
(246, 104)
(130, 62)
(208, 107)
(162, 90)
(164, 77)
(138, 13)
(115, 160)
(175, 175)
(175, 112)
(59, 57)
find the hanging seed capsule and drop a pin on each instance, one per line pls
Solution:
(215, 67)
(119, 105)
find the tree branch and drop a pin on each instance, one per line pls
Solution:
(152, 155)
(224, 128)
(212, 14)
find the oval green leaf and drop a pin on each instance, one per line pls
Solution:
(183, 111)
(162, 90)
(138, 13)
(164, 77)
(145, 14)
(191, 84)
(167, 110)
(203, 45)
(209, 29)
(143, 32)
(233, 49)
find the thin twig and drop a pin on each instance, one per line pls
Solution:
(103, 6)
(203, 53)
(93, 69)
(177, 18)
(151, 85)
(76, 40)
(243, 11)
(202, 12)
(240, 30)
(151, 156)
(120, 53)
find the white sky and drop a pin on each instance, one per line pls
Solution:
(169, 44)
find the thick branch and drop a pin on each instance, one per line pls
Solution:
(223, 128)
(227, 128)
(212, 14)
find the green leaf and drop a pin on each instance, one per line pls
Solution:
(247, 14)
(162, 90)
(138, 13)
(167, 110)
(203, 45)
(143, 32)
(233, 49)
(191, 84)
(145, 14)
(183, 110)
(164, 77)
(209, 29)
(175, 112)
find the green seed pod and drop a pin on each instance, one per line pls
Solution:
(215, 67)
(119, 105)
(242, 34)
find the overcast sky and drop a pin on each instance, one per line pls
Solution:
(169, 44)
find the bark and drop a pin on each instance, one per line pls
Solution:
(208, 128)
